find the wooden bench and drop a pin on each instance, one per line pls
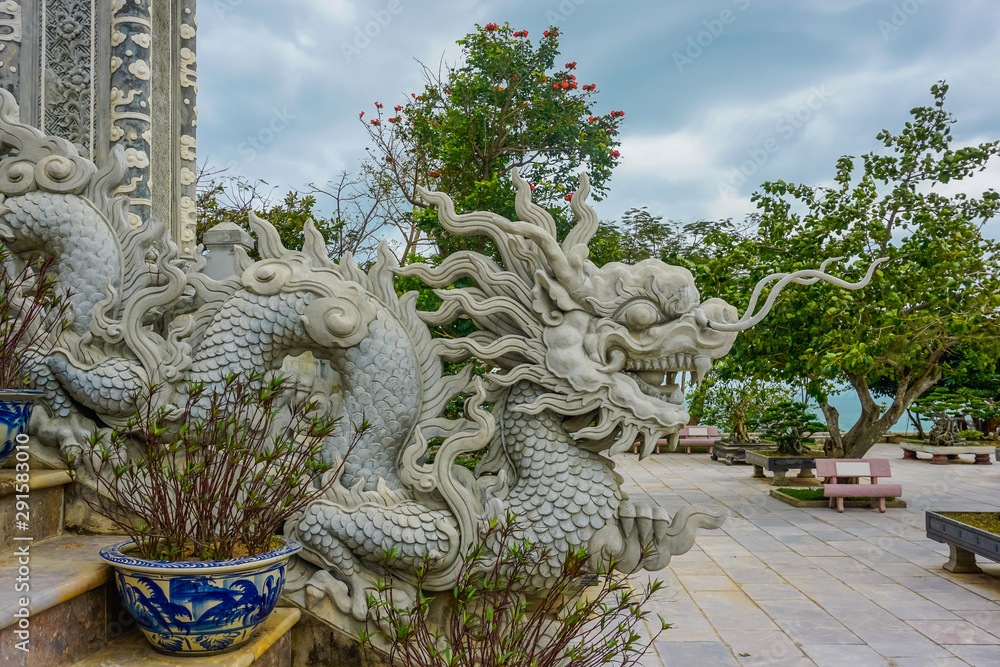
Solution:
(837, 471)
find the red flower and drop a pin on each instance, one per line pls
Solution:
(531, 186)
(545, 34)
(378, 105)
(556, 86)
(590, 87)
(361, 115)
(571, 65)
(569, 197)
(374, 122)
(551, 33)
(615, 154)
(499, 89)
(399, 107)
(521, 33)
(490, 27)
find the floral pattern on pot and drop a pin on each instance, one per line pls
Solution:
(15, 412)
(199, 607)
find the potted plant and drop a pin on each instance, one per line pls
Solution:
(201, 501)
(32, 315)
(789, 426)
(735, 404)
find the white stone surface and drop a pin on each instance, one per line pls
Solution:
(780, 585)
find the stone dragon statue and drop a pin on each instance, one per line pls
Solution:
(585, 361)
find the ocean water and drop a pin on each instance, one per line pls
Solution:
(849, 407)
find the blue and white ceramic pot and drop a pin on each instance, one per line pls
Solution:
(191, 608)
(15, 411)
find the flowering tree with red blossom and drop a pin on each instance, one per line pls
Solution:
(507, 103)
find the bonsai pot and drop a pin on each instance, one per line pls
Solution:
(15, 412)
(780, 465)
(198, 608)
(731, 452)
(963, 540)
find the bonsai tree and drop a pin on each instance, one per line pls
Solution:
(789, 425)
(735, 403)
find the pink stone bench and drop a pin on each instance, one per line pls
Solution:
(690, 435)
(837, 471)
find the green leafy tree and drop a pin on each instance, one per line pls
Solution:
(939, 290)
(507, 103)
(733, 402)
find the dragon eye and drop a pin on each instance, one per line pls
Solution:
(639, 315)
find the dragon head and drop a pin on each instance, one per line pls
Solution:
(612, 345)
(631, 334)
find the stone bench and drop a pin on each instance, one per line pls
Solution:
(836, 470)
(690, 435)
(940, 455)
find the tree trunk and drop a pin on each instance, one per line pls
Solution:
(871, 426)
(835, 445)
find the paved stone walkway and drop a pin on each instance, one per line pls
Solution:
(778, 585)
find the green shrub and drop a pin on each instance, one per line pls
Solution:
(970, 435)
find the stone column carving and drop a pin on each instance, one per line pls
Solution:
(131, 87)
(105, 73)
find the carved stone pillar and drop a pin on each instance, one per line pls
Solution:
(102, 73)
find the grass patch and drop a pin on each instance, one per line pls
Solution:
(988, 521)
(813, 493)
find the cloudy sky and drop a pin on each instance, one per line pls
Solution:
(719, 95)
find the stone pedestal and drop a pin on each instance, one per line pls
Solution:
(220, 242)
(940, 455)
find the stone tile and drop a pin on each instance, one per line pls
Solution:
(828, 655)
(955, 632)
(814, 633)
(758, 592)
(900, 644)
(951, 661)
(695, 653)
(977, 656)
(773, 646)
(732, 610)
(753, 575)
(916, 610)
(694, 582)
(987, 620)
(805, 610)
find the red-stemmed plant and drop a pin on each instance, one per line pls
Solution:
(33, 312)
(217, 479)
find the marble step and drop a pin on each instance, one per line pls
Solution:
(40, 513)
(57, 596)
(270, 647)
